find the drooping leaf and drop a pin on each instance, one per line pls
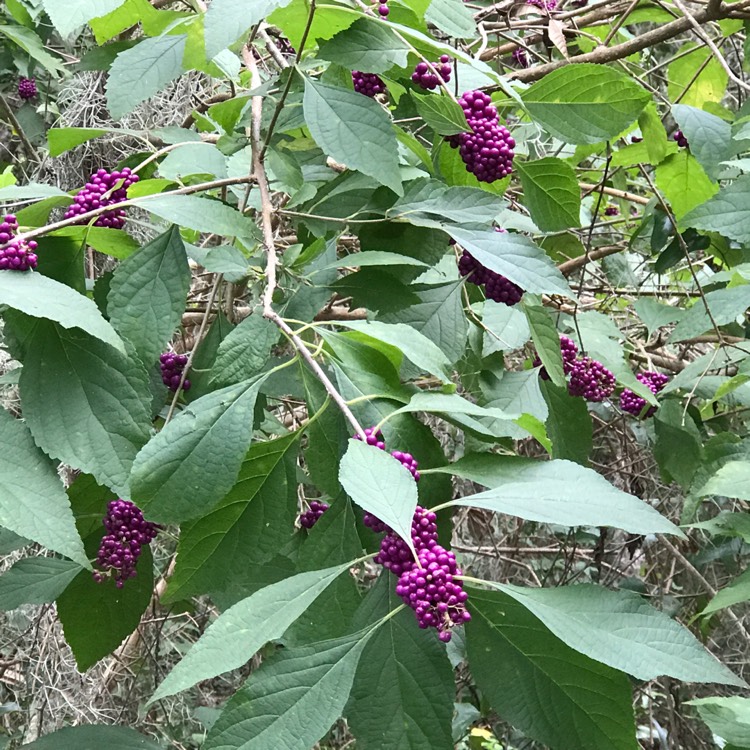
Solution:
(94, 737)
(506, 327)
(147, 294)
(233, 638)
(194, 461)
(28, 41)
(35, 580)
(452, 17)
(442, 114)
(546, 339)
(727, 716)
(731, 480)
(552, 194)
(569, 424)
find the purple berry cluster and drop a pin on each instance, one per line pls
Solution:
(679, 136)
(496, 286)
(368, 84)
(375, 437)
(487, 149)
(425, 78)
(634, 404)
(543, 4)
(591, 380)
(520, 57)
(27, 88)
(172, 366)
(310, 517)
(395, 554)
(15, 255)
(569, 352)
(120, 548)
(101, 191)
(611, 211)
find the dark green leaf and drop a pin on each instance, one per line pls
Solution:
(443, 114)
(678, 449)
(93, 737)
(552, 193)
(569, 424)
(245, 351)
(36, 580)
(546, 339)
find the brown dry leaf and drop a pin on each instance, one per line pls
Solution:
(557, 35)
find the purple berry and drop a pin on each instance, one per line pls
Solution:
(27, 88)
(682, 142)
(634, 404)
(374, 523)
(496, 287)
(408, 461)
(636, 139)
(368, 84)
(611, 211)
(100, 191)
(120, 548)
(373, 438)
(520, 56)
(431, 590)
(310, 517)
(543, 4)
(15, 254)
(425, 78)
(383, 10)
(395, 554)
(569, 352)
(591, 380)
(172, 366)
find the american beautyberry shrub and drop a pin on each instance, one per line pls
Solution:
(425, 78)
(679, 136)
(496, 286)
(433, 592)
(591, 380)
(172, 366)
(487, 149)
(15, 254)
(27, 88)
(395, 555)
(632, 403)
(127, 533)
(520, 57)
(100, 191)
(569, 352)
(368, 84)
(312, 515)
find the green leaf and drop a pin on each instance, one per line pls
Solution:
(737, 592)
(381, 485)
(683, 182)
(227, 20)
(245, 350)
(726, 306)
(115, 242)
(655, 314)
(94, 413)
(514, 256)
(506, 327)
(142, 71)
(251, 522)
(116, 612)
(415, 346)
(443, 114)
(376, 258)
(61, 140)
(546, 340)
(402, 697)
(36, 580)
(450, 403)
(93, 737)
(569, 424)
(679, 447)
(33, 503)
(353, 129)
(203, 214)
(727, 212)
(430, 203)
(31, 191)
(232, 639)
(147, 294)
(194, 158)
(366, 45)
(585, 103)
(731, 480)
(293, 699)
(42, 297)
(540, 685)
(452, 17)
(552, 193)
(327, 20)
(28, 41)
(727, 716)
(654, 134)
(194, 461)
(205, 356)
(558, 492)
(695, 78)
(710, 138)
(69, 15)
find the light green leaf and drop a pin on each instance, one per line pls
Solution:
(727, 212)
(381, 485)
(415, 345)
(731, 480)
(559, 492)
(710, 138)
(232, 639)
(245, 350)
(31, 191)
(28, 41)
(726, 306)
(366, 45)
(514, 256)
(544, 688)
(452, 17)
(227, 20)
(441, 403)
(727, 716)
(194, 158)
(147, 294)
(737, 592)
(94, 737)
(683, 182)
(585, 103)
(375, 258)
(36, 580)
(42, 297)
(142, 71)
(33, 503)
(507, 327)
(69, 15)
(194, 461)
(620, 629)
(61, 140)
(293, 699)
(654, 134)
(443, 114)
(552, 193)
(695, 78)
(546, 339)
(353, 129)
(655, 314)
(115, 242)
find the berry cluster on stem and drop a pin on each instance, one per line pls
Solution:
(103, 189)
(679, 136)
(127, 533)
(543, 4)
(487, 149)
(27, 88)
(375, 437)
(15, 254)
(172, 366)
(312, 515)
(425, 78)
(634, 404)
(368, 84)
(611, 211)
